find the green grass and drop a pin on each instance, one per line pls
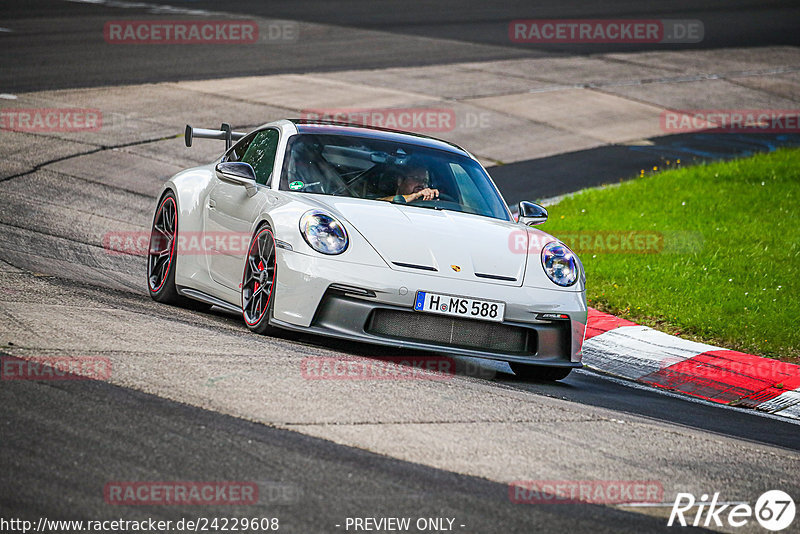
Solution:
(729, 269)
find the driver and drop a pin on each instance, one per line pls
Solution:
(413, 184)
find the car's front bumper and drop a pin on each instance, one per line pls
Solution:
(305, 301)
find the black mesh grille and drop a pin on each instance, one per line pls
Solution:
(452, 331)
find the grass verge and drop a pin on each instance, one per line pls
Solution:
(709, 252)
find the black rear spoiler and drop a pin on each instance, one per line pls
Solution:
(224, 133)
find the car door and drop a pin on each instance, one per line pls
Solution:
(230, 211)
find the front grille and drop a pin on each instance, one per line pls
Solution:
(456, 332)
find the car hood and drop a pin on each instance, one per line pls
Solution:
(438, 242)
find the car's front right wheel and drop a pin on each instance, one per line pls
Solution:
(539, 372)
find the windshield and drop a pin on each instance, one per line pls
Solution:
(387, 171)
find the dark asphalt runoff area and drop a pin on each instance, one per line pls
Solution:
(543, 178)
(62, 441)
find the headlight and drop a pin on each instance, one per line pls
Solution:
(323, 233)
(560, 264)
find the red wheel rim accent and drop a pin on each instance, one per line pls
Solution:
(259, 277)
(162, 244)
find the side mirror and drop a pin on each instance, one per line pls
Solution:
(238, 173)
(531, 214)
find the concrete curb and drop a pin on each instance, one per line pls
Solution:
(642, 354)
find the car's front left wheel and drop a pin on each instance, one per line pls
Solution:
(258, 283)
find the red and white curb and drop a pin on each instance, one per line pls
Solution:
(639, 353)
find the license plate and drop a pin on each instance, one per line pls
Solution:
(485, 310)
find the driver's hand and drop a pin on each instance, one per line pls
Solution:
(425, 194)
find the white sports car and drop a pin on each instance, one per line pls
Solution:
(370, 235)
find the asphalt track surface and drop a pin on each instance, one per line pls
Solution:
(59, 44)
(62, 441)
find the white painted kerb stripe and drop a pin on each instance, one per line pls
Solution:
(786, 405)
(635, 351)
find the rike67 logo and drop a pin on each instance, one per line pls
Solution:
(774, 510)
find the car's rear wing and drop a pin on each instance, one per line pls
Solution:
(224, 133)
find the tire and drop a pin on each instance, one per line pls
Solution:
(541, 373)
(161, 257)
(258, 281)
(161, 252)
